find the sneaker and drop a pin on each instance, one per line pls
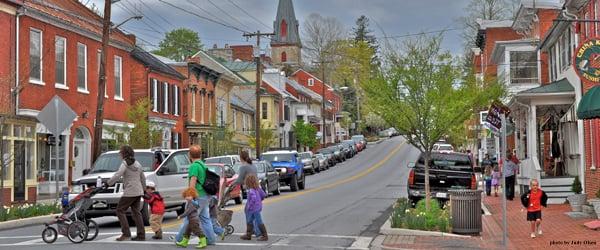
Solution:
(532, 235)
(183, 243)
(222, 235)
(123, 238)
(201, 243)
(540, 231)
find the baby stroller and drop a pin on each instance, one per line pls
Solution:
(224, 216)
(73, 222)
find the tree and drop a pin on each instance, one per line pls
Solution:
(142, 135)
(306, 134)
(179, 44)
(374, 122)
(423, 93)
(267, 137)
(320, 37)
(362, 33)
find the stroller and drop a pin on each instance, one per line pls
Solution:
(224, 216)
(73, 222)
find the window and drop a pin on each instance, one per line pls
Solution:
(234, 114)
(118, 78)
(283, 30)
(179, 163)
(552, 62)
(60, 55)
(35, 56)
(194, 106)
(166, 97)
(311, 82)
(283, 57)
(263, 110)
(244, 122)
(176, 96)
(202, 108)
(154, 93)
(82, 68)
(210, 107)
(286, 113)
(523, 67)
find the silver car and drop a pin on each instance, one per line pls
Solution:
(311, 164)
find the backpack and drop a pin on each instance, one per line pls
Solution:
(211, 183)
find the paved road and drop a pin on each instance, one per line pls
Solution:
(341, 208)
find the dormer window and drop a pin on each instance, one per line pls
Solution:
(311, 82)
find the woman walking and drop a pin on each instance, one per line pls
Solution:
(134, 184)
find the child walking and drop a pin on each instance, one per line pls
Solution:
(253, 209)
(191, 213)
(157, 208)
(496, 179)
(487, 176)
(533, 201)
(214, 211)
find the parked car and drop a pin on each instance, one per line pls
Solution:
(352, 146)
(323, 161)
(346, 150)
(288, 165)
(338, 153)
(328, 153)
(311, 164)
(268, 177)
(225, 159)
(361, 139)
(443, 148)
(229, 175)
(446, 171)
(167, 177)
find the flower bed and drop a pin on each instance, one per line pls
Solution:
(27, 211)
(436, 219)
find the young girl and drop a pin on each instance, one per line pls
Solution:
(191, 213)
(253, 208)
(496, 179)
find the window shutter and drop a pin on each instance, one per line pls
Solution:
(151, 93)
(161, 97)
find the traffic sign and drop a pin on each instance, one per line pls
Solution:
(56, 116)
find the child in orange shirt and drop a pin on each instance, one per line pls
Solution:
(533, 201)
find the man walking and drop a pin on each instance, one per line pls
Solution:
(509, 170)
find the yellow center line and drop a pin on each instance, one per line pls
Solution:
(377, 165)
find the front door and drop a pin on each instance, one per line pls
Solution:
(19, 172)
(78, 158)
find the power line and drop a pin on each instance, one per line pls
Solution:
(251, 16)
(127, 9)
(202, 17)
(209, 13)
(420, 33)
(139, 12)
(227, 14)
(158, 14)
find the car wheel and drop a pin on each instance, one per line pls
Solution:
(277, 191)
(302, 184)
(265, 188)
(294, 183)
(317, 168)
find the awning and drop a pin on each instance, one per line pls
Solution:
(553, 88)
(589, 106)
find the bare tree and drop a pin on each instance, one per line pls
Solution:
(485, 10)
(320, 36)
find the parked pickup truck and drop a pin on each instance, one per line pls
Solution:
(446, 171)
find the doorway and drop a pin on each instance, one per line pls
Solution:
(19, 174)
(81, 152)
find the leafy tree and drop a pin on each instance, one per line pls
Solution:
(222, 142)
(306, 134)
(424, 93)
(142, 135)
(267, 137)
(179, 44)
(374, 122)
(362, 33)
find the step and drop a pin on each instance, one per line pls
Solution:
(557, 181)
(558, 194)
(556, 200)
(556, 188)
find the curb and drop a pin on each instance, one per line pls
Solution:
(39, 220)
(387, 229)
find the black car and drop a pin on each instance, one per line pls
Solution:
(329, 154)
(268, 177)
(346, 150)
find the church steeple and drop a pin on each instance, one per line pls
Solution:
(286, 45)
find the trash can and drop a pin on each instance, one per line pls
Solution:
(466, 211)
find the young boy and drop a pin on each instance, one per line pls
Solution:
(191, 213)
(157, 208)
(533, 201)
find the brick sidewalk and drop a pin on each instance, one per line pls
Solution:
(556, 226)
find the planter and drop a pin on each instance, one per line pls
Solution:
(576, 201)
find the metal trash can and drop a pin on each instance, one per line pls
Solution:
(466, 211)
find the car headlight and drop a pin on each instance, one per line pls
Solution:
(283, 170)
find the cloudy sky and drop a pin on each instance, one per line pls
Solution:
(394, 17)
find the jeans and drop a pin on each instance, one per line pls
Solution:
(488, 187)
(253, 218)
(216, 227)
(205, 221)
(181, 231)
(510, 187)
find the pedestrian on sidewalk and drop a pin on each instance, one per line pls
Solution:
(496, 175)
(253, 209)
(487, 176)
(533, 201)
(134, 184)
(193, 226)
(157, 208)
(509, 170)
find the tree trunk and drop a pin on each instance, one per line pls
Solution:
(427, 189)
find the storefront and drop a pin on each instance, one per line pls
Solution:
(19, 154)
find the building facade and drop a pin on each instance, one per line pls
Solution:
(285, 44)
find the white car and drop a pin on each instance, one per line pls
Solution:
(229, 160)
(443, 148)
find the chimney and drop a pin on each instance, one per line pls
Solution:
(215, 46)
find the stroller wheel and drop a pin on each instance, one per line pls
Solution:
(77, 232)
(93, 230)
(49, 235)
(229, 230)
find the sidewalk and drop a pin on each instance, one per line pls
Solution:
(559, 231)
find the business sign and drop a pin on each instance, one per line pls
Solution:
(493, 118)
(587, 60)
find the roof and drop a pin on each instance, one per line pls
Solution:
(238, 66)
(527, 12)
(304, 90)
(285, 11)
(154, 63)
(560, 86)
(237, 101)
(217, 65)
(551, 36)
(72, 12)
(486, 24)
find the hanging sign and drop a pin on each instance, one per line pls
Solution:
(493, 117)
(587, 60)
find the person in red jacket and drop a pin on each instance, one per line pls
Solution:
(533, 201)
(157, 209)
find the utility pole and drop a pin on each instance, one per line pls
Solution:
(257, 110)
(323, 130)
(102, 80)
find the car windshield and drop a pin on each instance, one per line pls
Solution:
(223, 160)
(110, 162)
(278, 157)
(446, 147)
(304, 155)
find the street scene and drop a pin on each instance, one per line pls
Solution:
(287, 124)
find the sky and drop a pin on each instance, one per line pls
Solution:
(390, 17)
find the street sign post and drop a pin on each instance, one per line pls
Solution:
(56, 116)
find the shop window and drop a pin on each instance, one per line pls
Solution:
(48, 170)
(6, 158)
(30, 160)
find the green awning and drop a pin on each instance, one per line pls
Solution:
(589, 106)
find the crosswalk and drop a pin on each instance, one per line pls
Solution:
(314, 241)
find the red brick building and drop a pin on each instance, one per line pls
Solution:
(56, 50)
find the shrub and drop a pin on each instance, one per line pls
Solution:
(436, 219)
(27, 210)
(576, 186)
